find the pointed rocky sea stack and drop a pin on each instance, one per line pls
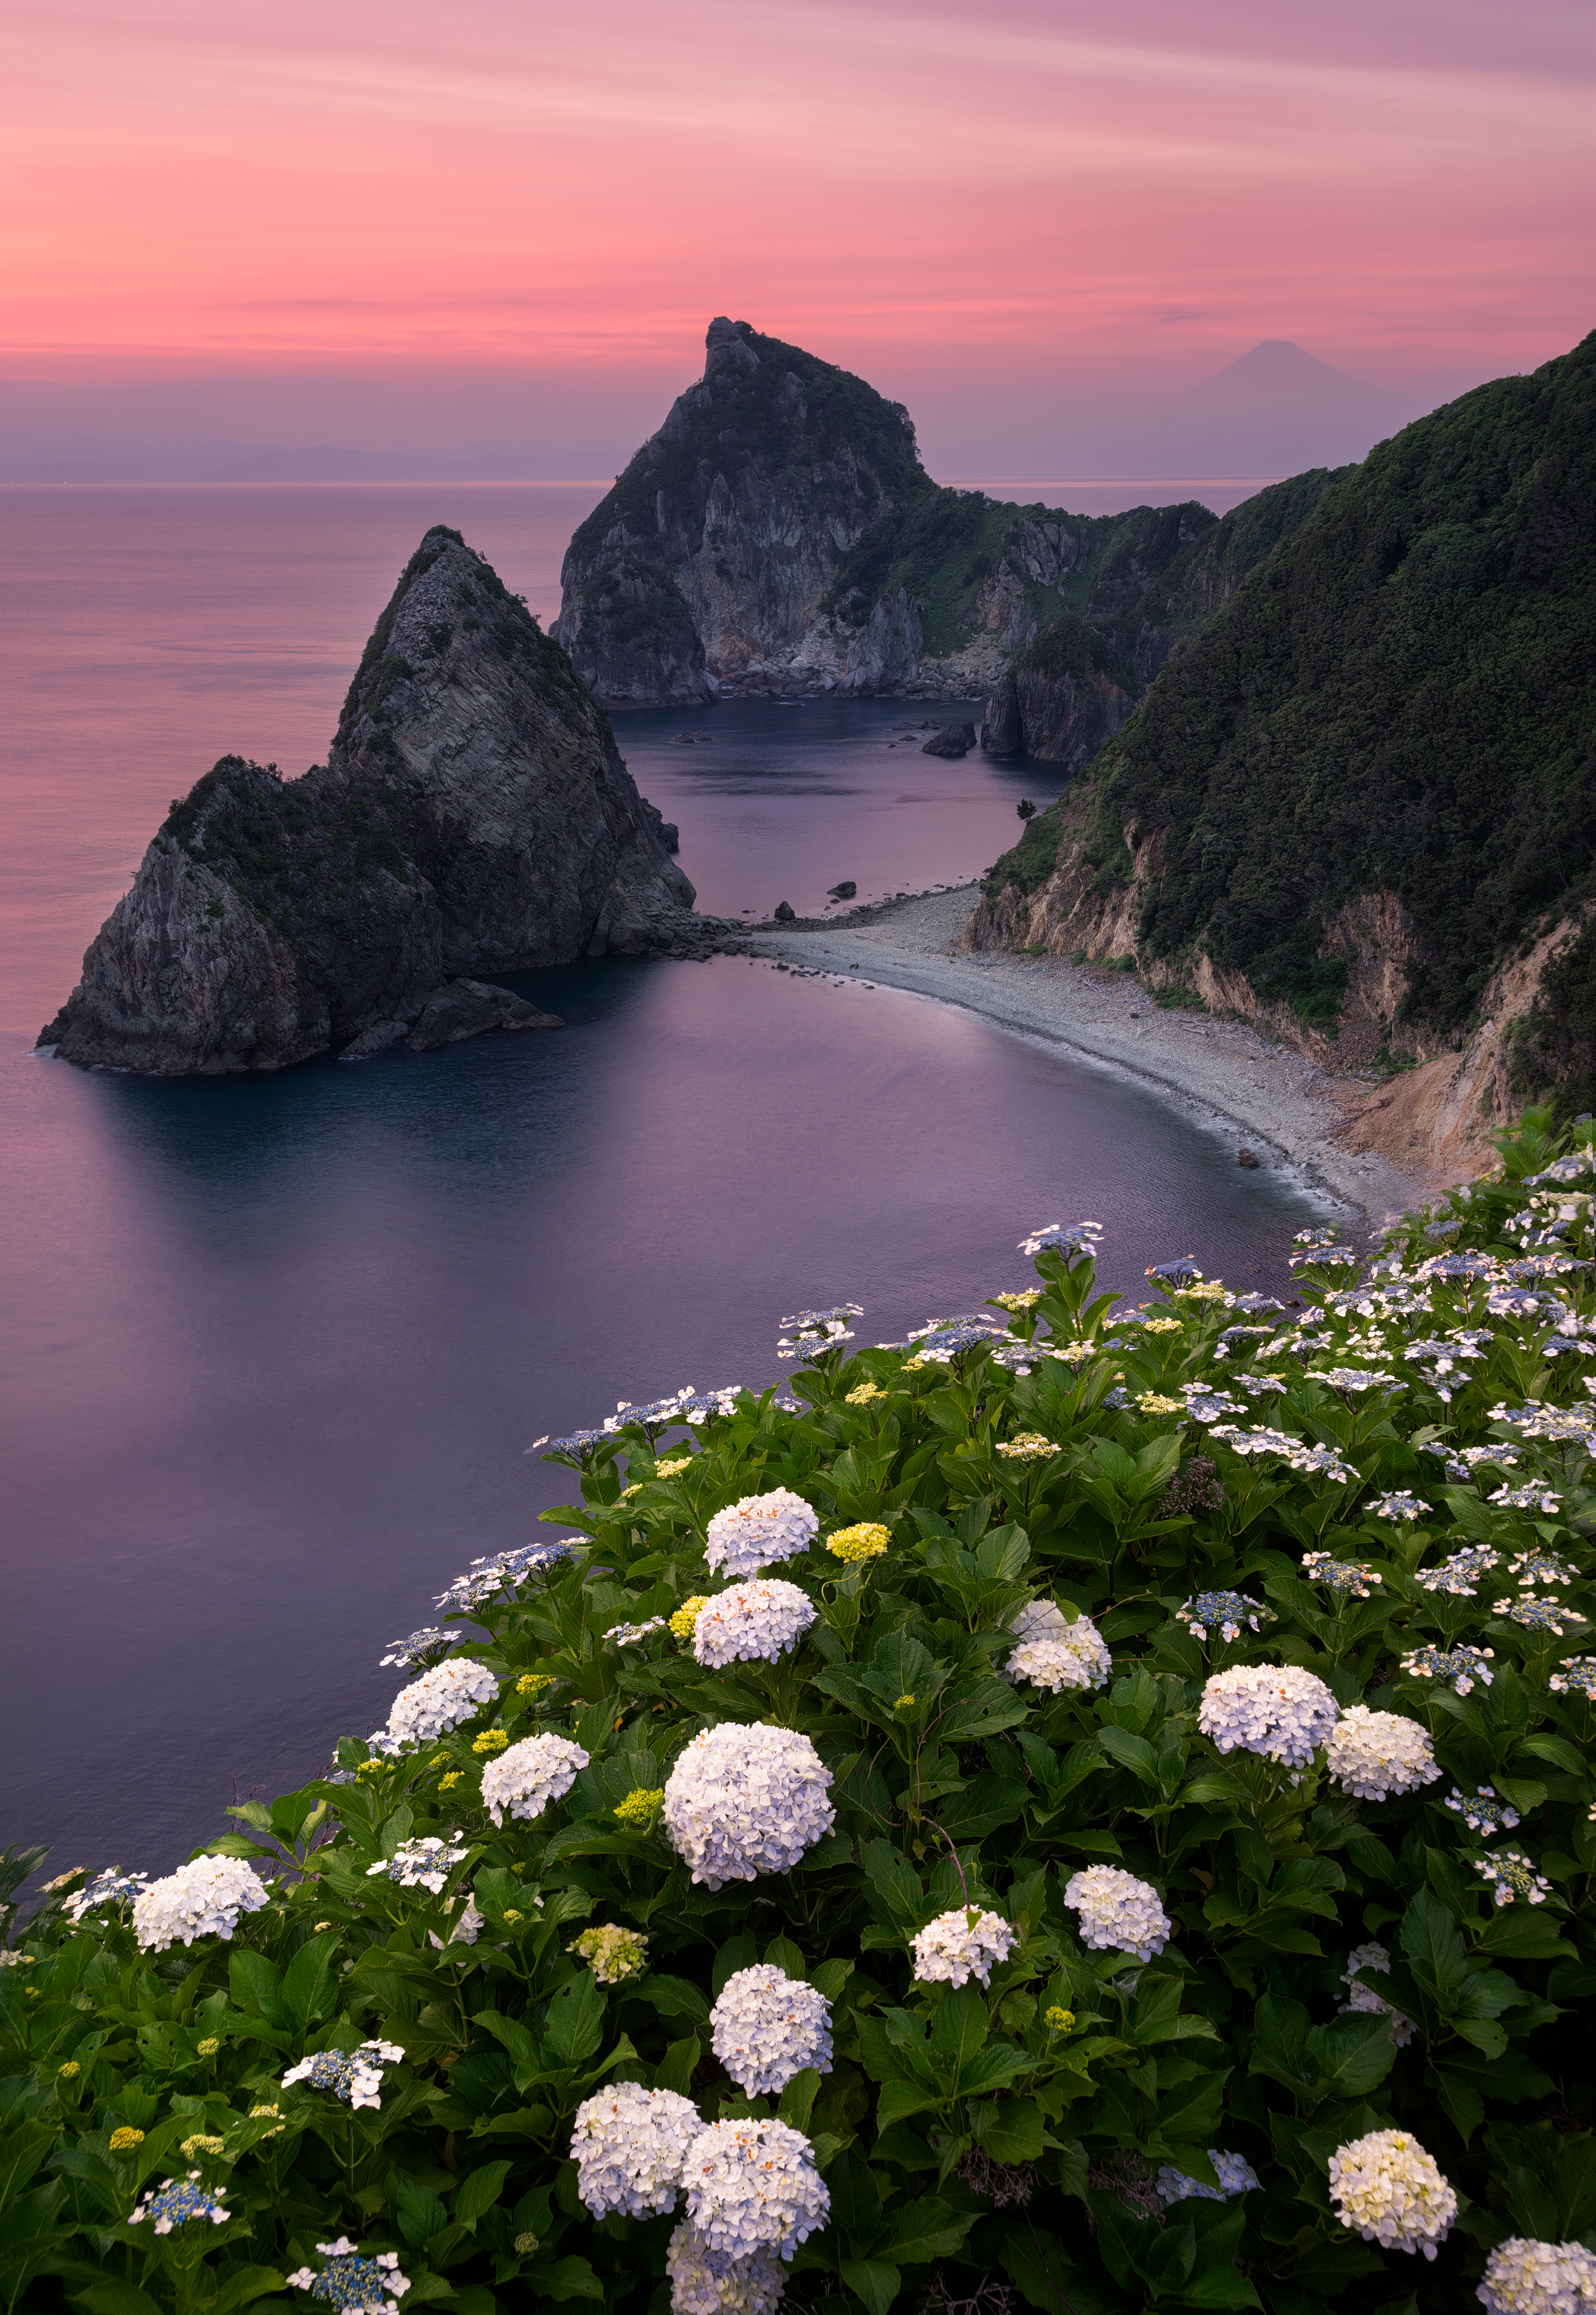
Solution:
(473, 817)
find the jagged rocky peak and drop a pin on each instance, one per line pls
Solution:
(711, 558)
(473, 817)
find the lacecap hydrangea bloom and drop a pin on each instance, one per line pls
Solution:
(111, 1887)
(1375, 1956)
(355, 2076)
(708, 2281)
(757, 1530)
(1373, 1754)
(1225, 1612)
(1388, 2189)
(629, 2146)
(1481, 1810)
(959, 1946)
(176, 2202)
(1348, 1579)
(1278, 1711)
(451, 1692)
(358, 2285)
(1523, 2277)
(768, 2026)
(612, 1954)
(1055, 1654)
(1510, 1875)
(425, 1863)
(756, 1622)
(1575, 1676)
(743, 1801)
(1235, 2173)
(1118, 1913)
(202, 1899)
(1460, 1668)
(1458, 1576)
(523, 1780)
(753, 2185)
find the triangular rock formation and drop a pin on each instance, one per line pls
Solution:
(473, 817)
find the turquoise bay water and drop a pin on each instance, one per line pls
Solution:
(275, 1346)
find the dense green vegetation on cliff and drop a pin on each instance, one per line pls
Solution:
(1402, 697)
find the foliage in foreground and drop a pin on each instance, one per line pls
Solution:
(1077, 2133)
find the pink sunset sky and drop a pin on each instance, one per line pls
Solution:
(413, 226)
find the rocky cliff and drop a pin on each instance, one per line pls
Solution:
(473, 816)
(778, 533)
(1359, 805)
(1140, 602)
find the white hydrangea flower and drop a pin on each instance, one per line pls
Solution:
(1373, 1754)
(755, 1622)
(768, 2026)
(1235, 2173)
(1118, 1913)
(464, 1930)
(531, 1774)
(1374, 1956)
(753, 2185)
(757, 1530)
(451, 1692)
(707, 2282)
(1055, 1654)
(743, 1801)
(1388, 2189)
(630, 2145)
(1276, 1710)
(959, 1946)
(1524, 2277)
(425, 1863)
(202, 1899)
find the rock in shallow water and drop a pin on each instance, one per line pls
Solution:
(471, 1008)
(955, 740)
(473, 816)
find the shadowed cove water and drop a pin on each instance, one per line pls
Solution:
(275, 1346)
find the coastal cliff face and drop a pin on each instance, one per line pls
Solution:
(737, 509)
(1358, 806)
(1164, 576)
(778, 535)
(473, 817)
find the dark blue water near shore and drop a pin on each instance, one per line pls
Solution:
(288, 1338)
(273, 1347)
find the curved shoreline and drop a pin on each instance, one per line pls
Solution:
(1285, 1108)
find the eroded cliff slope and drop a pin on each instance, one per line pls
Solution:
(1360, 805)
(473, 816)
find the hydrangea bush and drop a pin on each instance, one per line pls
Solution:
(1154, 1873)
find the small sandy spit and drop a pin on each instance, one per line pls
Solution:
(1286, 1110)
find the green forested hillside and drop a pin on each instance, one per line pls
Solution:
(1403, 696)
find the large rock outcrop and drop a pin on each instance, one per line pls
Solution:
(473, 816)
(778, 533)
(734, 513)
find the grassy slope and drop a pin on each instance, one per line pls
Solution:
(1403, 696)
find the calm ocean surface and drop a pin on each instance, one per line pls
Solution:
(274, 1347)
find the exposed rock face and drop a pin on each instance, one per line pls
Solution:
(735, 514)
(778, 535)
(954, 740)
(473, 817)
(1075, 683)
(471, 1008)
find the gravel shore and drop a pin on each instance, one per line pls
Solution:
(1283, 1108)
